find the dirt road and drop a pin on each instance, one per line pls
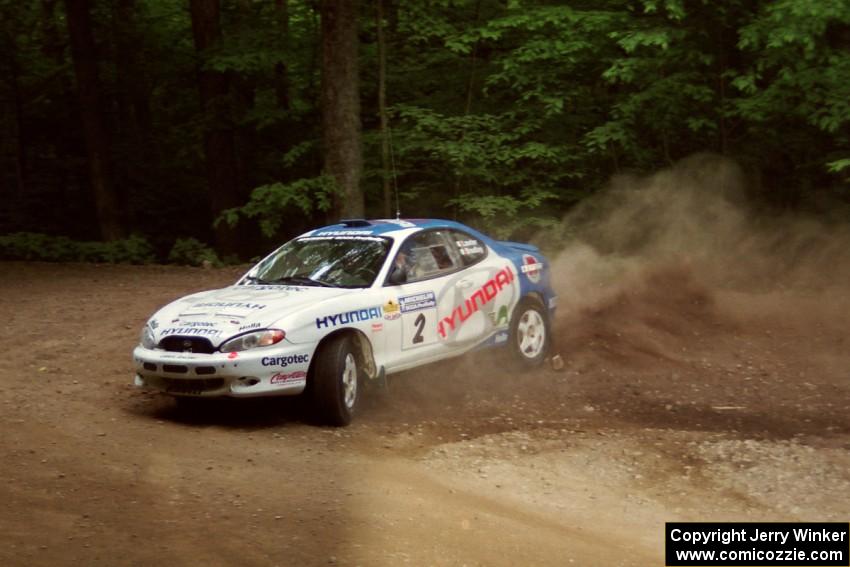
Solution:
(675, 404)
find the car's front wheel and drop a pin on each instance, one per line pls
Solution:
(335, 376)
(529, 337)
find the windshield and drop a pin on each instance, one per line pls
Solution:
(327, 261)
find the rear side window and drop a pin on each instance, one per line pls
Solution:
(428, 254)
(470, 249)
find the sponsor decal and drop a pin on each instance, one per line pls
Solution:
(237, 304)
(281, 378)
(416, 302)
(194, 331)
(197, 324)
(484, 295)
(531, 267)
(349, 317)
(376, 327)
(284, 361)
(499, 317)
(342, 233)
(391, 311)
(469, 247)
(366, 237)
(248, 327)
(282, 290)
(176, 356)
(175, 320)
(471, 251)
(232, 355)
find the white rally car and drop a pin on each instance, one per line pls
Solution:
(346, 303)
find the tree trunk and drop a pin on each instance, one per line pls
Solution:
(140, 168)
(382, 109)
(341, 105)
(219, 146)
(16, 213)
(91, 111)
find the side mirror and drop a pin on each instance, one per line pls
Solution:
(398, 275)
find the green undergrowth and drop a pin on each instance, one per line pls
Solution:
(134, 249)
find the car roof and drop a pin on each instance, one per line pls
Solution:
(375, 227)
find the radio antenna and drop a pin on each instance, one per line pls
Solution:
(395, 177)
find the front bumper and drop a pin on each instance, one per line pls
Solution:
(278, 371)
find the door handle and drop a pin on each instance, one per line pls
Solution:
(464, 284)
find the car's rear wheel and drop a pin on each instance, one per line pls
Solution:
(529, 337)
(336, 380)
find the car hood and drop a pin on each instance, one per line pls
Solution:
(220, 314)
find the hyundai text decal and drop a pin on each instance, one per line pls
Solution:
(197, 331)
(348, 317)
(342, 233)
(338, 237)
(479, 299)
(284, 361)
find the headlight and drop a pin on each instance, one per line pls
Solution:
(253, 340)
(147, 339)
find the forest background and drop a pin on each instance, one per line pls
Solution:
(141, 130)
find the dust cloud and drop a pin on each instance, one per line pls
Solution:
(675, 295)
(684, 251)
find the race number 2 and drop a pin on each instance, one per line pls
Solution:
(419, 328)
(420, 325)
(418, 319)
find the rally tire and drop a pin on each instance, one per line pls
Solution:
(530, 335)
(335, 378)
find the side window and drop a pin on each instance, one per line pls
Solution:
(428, 254)
(470, 248)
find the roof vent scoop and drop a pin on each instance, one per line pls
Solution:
(352, 223)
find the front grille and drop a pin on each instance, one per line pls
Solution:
(175, 368)
(205, 370)
(192, 386)
(176, 343)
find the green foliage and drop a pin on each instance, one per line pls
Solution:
(271, 204)
(498, 170)
(840, 165)
(504, 114)
(192, 252)
(33, 246)
(800, 72)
